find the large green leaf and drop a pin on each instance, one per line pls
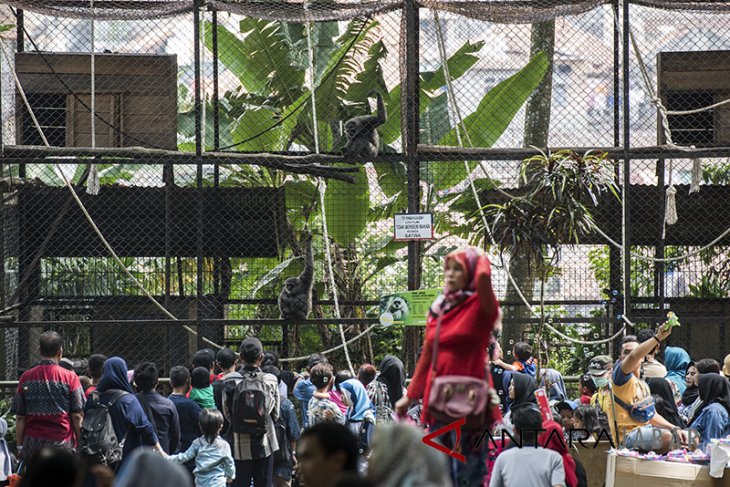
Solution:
(300, 193)
(272, 275)
(346, 207)
(371, 75)
(255, 131)
(459, 63)
(324, 35)
(344, 66)
(261, 59)
(435, 120)
(489, 121)
(231, 52)
(391, 177)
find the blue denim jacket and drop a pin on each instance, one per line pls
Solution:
(712, 422)
(213, 463)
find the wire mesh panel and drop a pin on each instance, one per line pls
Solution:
(183, 160)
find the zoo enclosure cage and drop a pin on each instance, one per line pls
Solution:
(208, 118)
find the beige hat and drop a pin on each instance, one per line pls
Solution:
(726, 367)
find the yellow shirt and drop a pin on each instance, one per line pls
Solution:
(631, 392)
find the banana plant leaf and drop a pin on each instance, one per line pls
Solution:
(346, 208)
(489, 121)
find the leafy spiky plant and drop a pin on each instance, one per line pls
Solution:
(554, 207)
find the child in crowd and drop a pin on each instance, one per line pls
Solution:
(565, 410)
(321, 408)
(335, 394)
(202, 391)
(586, 418)
(524, 361)
(214, 465)
(205, 358)
(586, 388)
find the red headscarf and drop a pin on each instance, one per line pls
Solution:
(552, 438)
(470, 260)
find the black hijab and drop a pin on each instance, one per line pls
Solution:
(713, 388)
(393, 376)
(690, 395)
(525, 386)
(660, 387)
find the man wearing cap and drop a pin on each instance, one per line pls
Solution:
(645, 432)
(253, 454)
(599, 369)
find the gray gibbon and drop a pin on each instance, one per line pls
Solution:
(363, 140)
(295, 299)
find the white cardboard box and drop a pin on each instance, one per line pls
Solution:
(633, 472)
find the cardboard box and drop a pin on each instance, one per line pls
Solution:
(593, 457)
(632, 472)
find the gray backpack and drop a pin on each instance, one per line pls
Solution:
(251, 404)
(98, 441)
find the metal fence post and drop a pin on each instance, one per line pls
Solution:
(411, 115)
(627, 164)
(199, 172)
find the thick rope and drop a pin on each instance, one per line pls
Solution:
(320, 189)
(667, 259)
(93, 186)
(88, 217)
(333, 349)
(475, 193)
(333, 285)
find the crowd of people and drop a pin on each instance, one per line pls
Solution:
(240, 419)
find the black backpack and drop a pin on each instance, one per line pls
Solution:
(250, 404)
(99, 442)
(282, 456)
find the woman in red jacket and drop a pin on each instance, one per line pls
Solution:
(468, 310)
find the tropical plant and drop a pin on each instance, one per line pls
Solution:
(552, 207)
(271, 111)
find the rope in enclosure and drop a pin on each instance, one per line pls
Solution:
(459, 121)
(93, 185)
(321, 189)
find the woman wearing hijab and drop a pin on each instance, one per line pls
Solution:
(665, 404)
(360, 417)
(128, 418)
(145, 468)
(712, 416)
(400, 458)
(466, 311)
(393, 376)
(691, 392)
(552, 439)
(676, 361)
(522, 391)
(552, 380)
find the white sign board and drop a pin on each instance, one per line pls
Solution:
(413, 226)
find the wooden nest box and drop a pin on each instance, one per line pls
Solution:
(136, 99)
(692, 80)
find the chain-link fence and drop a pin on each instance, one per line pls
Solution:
(204, 141)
